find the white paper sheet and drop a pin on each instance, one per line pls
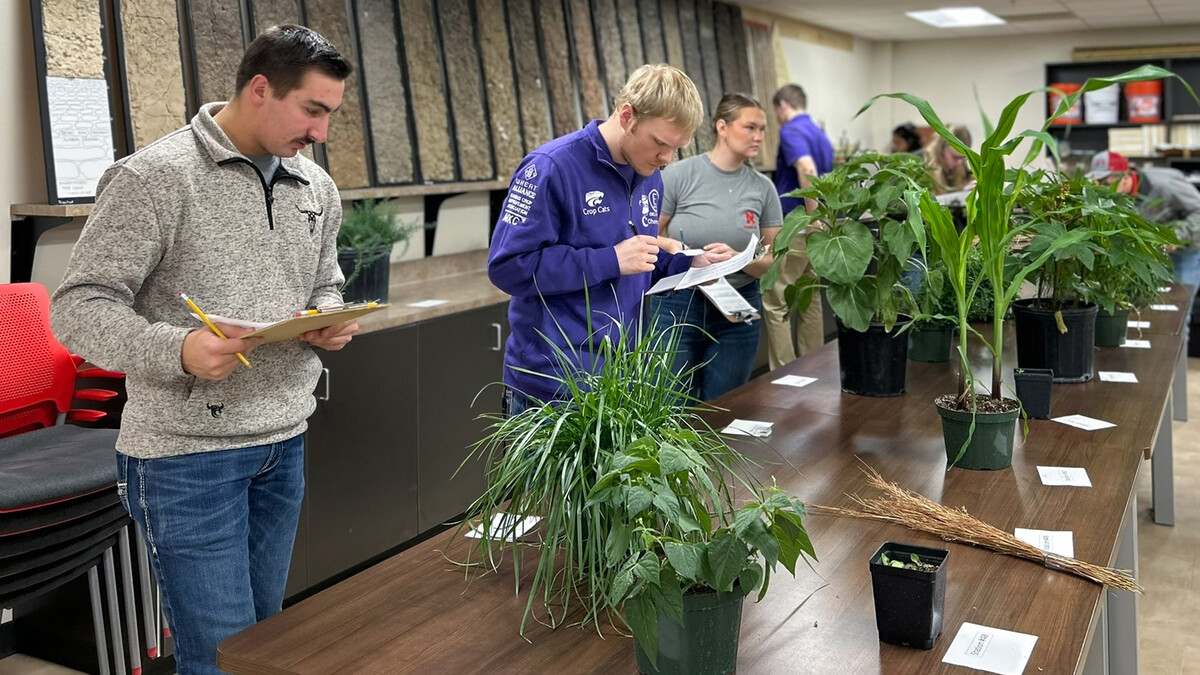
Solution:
(1050, 541)
(1117, 376)
(1164, 289)
(1069, 476)
(794, 380)
(692, 252)
(1084, 422)
(1139, 324)
(428, 303)
(699, 275)
(252, 325)
(728, 300)
(1137, 344)
(1165, 308)
(502, 523)
(748, 428)
(992, 649)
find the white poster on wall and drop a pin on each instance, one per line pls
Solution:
(80, 133)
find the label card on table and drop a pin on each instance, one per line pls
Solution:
(427, 303)
(748, 428)
(1084, 422)
(1165, 308)
(1050, 541)
(1164, 289)
(794, 380)
(1137, 344)
(1117, 376)
(992, 649)
(509, 525)
(1139, 324)
(1073, 476)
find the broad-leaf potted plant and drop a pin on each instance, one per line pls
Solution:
(909, 587)
(860, 239)
(979, 427)
(933, 326)
(364, 242)
(644, 508)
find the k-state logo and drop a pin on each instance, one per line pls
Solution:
(531, 172)
(593, 198)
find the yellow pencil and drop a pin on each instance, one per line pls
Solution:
(212, 326)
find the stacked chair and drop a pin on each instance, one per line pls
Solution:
(60, 513)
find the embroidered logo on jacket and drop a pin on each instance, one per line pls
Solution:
(593, 198)
(215, 409)
(649, 202)
(312, 217)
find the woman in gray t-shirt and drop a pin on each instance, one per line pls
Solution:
(710, 198)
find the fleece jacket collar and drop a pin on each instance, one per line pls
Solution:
(222, 151)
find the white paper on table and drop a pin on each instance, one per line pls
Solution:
(1084, 422)
(1137, 344)
(748, 428)
(1139, 324)
(510, 525)
(1164, 289)
(1165, 308)
(1050, 541)
(1070, 476)
(1117, 376)
(794, 380)
(992, 649)
(428, 303)
(728, 301)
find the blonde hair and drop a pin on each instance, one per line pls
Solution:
(947, 179)
(663, 91)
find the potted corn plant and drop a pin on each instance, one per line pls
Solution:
(979, 427)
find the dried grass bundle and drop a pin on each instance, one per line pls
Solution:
(910, 509)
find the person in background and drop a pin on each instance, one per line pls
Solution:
(210, 457)
(804, 150)
(906, 139)
(713, 198)
(1164, 196)
(576, 245)
(947, 166)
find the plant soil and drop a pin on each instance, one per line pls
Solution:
(987, 404)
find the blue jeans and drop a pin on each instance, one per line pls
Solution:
(727, 350)
(514, 402)
(219, 527)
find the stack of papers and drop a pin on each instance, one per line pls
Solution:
(749, 428)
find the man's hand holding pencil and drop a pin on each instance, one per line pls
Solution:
(212, 358)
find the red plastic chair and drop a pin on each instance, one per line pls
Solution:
(38, 372)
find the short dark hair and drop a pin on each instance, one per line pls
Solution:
(284, 54)
(791, 94)
(908, 133)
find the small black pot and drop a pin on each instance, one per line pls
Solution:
(1111, 328)
(371, 281)
(1034, 386)
(909, 603)
(1040, 344)
(873, 363)
(929, 342)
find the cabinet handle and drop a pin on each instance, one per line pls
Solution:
(499, 342)
(326, 396)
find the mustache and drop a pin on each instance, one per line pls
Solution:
(307, 140)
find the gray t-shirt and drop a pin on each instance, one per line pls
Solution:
(266, 165)
(707, 205)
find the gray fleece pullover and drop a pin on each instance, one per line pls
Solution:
(190, 213)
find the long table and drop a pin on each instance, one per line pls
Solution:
(421, 612)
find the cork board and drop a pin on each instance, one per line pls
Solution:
(591, 87)
(672, 39)
(492, 26)
(564, 99)
(345, 150)
(153, 69)
(708, 54)
(631, 35)
(652, 31)
(465, 76)
(387, 98)
(427, 90)
(608, 37)
(531, 83)
(216, 36)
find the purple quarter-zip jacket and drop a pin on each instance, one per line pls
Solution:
(568, 205)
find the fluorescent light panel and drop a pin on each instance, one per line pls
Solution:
(957, 17)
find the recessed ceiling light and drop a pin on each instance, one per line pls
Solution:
(957, 17)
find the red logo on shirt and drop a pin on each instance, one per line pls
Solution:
(751, 220)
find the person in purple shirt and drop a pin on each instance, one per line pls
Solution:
(576, 243)
(804, 150)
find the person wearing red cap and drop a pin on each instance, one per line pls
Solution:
(1164, 196)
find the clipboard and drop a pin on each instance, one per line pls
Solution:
(312, 319)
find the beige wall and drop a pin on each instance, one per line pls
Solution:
(22, 174)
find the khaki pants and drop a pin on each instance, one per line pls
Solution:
(789, 337)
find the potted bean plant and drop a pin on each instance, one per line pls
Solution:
(908, 584)
(647, 515)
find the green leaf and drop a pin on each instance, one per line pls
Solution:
(750, 578)
(673, 460)
(617, 545)
(854, 304)
(760, 538)
(685, 558)
(621, 584)
(842, 257)
(647, 569)
(668, 595)
(727, 555)
(638, 499)
(666, 502)
(643, 622)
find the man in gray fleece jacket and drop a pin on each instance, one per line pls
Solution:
(210, 453)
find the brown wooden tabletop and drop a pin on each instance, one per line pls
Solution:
(418, 613)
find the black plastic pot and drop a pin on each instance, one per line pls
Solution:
(706, 643)
(1040, 344)
(1034, 387)
(370, 283)
(929, 342)
(1111, 328)
(873, 363)
(909, 603)
(991, 446)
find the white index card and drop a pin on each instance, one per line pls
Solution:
(1084, 422)
(1137, 344)
(1117, 376)
(748, 428)
(992, 649)
(1050, 541)
(428, 303)
(1139, 324)
(1165, 308)
(1073, 476)
(794, 380)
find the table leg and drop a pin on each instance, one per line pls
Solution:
(1121, 607)
(1162, 471)
(1179, 386)
(1097, 656)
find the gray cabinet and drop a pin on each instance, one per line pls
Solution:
(461, 355)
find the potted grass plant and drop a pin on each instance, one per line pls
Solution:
(364, 242)
(908, 584)
(860, 239)
(647, 514)
(979, 428)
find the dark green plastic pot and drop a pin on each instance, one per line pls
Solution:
(991, 446)
(929, 342)
(1111, 328)
(706, 643)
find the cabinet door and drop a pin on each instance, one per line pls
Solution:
(362, 452)
(461, 354)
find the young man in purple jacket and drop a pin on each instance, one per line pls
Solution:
(576, 243)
